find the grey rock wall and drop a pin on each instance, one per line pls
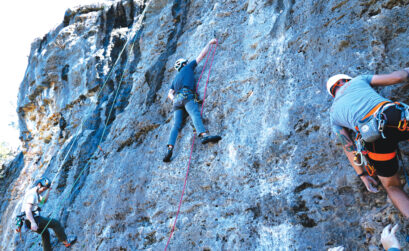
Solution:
(276, 181)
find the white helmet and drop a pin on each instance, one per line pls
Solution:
(333, 80)
(180, 63)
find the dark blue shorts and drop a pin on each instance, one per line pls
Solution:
(388, 168)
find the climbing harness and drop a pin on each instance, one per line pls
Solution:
(20, 219)
(183, 97)
(403, 124)
(367, 131)
(194, 136)
(361, 156)
(371, 128)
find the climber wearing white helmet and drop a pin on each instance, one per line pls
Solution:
(379, 124)
(183, 94)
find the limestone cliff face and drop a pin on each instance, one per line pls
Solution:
(276, 181)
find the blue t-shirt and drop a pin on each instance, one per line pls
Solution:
(353, 101)
(185, 78)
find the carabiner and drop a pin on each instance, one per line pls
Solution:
(360, 157)
(370, 169)
(381, 126)
(402, 127)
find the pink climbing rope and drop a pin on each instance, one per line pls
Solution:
(194, 136)
(208, 76)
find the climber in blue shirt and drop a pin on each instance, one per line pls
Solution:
(379, 124)
(185, 100)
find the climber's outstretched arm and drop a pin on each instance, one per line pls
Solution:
(395, 77)
(205, 50)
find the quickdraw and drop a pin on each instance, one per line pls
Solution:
(381, 127)
(370, 169)
(381, 120)
(371, 126)
(402, 127)
(403, 123)
(360, 158)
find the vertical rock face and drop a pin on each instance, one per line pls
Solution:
(276, 181)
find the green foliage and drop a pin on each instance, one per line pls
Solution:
(5, 154)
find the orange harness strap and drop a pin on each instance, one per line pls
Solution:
(381, 156)
(370, 113)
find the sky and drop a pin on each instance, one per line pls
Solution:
(21, 22)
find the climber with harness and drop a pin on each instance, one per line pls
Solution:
(185, 100)
(379, 125)
(31, 215)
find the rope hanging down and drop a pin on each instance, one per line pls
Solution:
(105, 126)
(90, 109)
(194, 136)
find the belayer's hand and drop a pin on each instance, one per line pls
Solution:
(370, 183)
(388, 237)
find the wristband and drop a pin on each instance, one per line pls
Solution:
(362, 174)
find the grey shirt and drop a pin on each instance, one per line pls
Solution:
(32, 197)
(353, 101)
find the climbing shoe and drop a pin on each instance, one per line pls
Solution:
(71, 240)
(213, 139)
(168, 155)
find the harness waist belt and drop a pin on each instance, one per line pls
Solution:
(184, 90)
(375, 109)
(381, 156)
